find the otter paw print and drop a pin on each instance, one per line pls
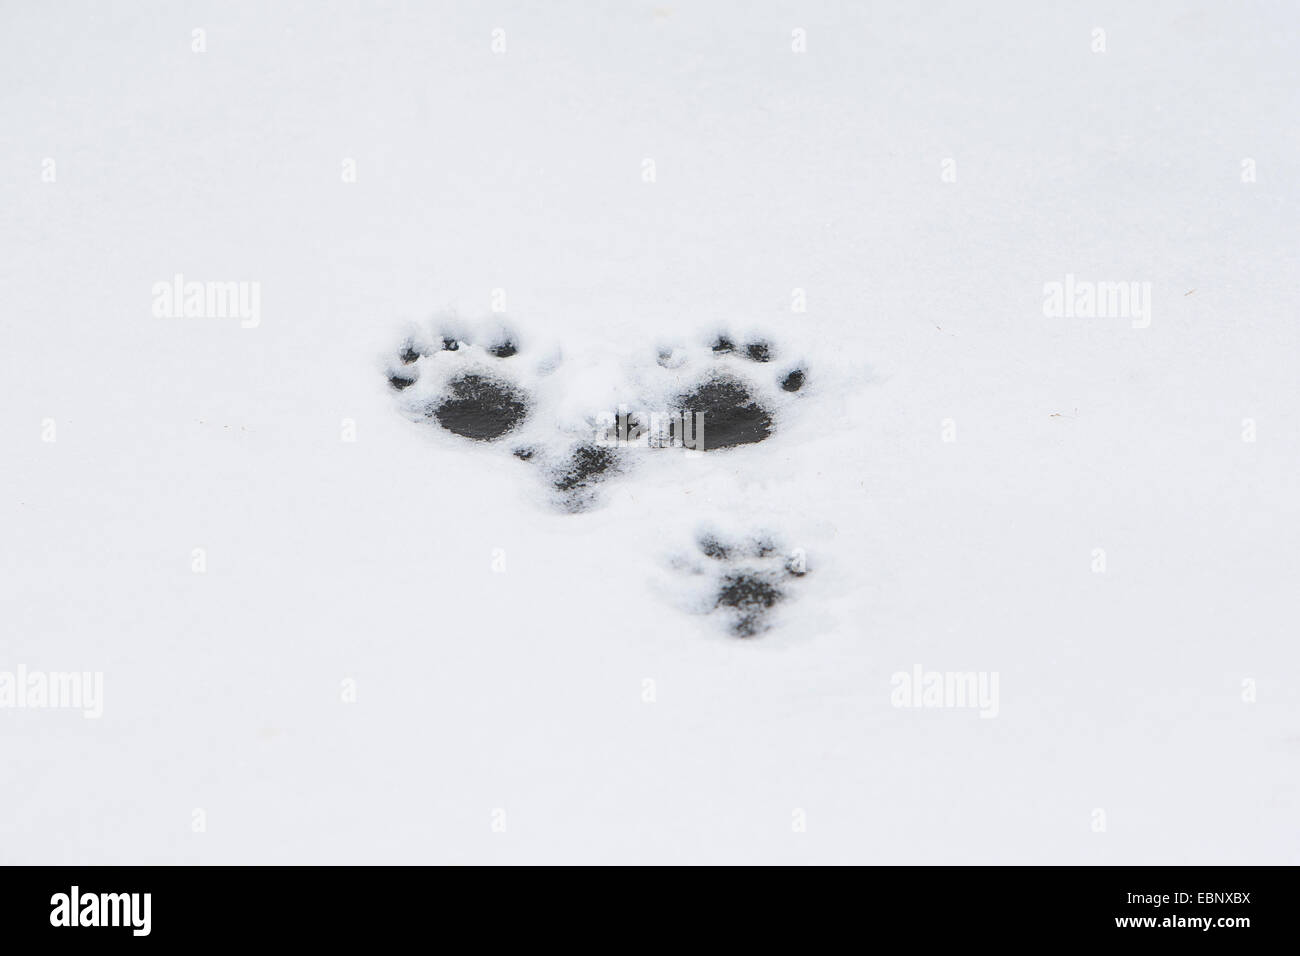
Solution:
(744, 579)
(484, 386)
(721, 385)
(462, 385)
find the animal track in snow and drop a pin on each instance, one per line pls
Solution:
(572, 420)
(743, 578)
(737, 405)
(474, 399)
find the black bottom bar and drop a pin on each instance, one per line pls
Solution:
(373, 905)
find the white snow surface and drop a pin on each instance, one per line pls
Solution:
(500, 647)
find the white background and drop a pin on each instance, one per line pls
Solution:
(522, 690)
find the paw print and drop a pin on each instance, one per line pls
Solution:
(463, 388)
(489, 387)
(744, 579)
(574, 475)
(719, 383)
(486, 386)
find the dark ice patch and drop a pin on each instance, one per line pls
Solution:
(399, 381)
(794, 381)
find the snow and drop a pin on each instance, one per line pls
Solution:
(500, 647)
